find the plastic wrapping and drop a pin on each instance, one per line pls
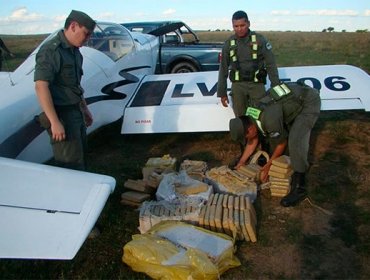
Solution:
(176, 250)
(154, 212)
(225, 180)
(167, 187)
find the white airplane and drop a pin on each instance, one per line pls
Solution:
(119, 81)
(189, 103)
(47, 212)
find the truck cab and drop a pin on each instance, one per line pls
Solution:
(180, 49)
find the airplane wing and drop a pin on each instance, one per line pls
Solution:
(47, 212)
(188, 102)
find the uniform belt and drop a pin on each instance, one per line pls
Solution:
(245, 79)
(63, 108)
(247, 76)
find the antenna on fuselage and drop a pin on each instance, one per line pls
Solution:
(7, 68)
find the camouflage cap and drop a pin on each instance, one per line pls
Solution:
(82, 19)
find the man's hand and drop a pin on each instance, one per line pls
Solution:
(264, 172)
(57, 131)
(237, 166)
(88, 117)
(225, 101)
(87, 114)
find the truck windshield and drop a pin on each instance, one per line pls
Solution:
(111, 39)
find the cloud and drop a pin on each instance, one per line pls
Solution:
(22, 14)
(105, 16)
(281, 13)
(213, 23)
(169, 12)
(327, 13)
(60, 18)
(21, 21)
(351, 13)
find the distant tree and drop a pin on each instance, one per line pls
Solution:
(343, 30)
(362, 31)
(324, 30)
(330, 29)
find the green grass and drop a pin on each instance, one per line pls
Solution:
(313, 48)
(290, 48)
(20, 45)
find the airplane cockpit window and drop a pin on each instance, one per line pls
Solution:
(111, 39)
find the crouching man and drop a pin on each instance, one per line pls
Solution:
(285, 117)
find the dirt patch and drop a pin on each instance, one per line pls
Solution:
(320, 238)
(326, 236)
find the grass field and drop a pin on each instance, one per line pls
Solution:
(290, 48)
(313, 48)
(327, 240)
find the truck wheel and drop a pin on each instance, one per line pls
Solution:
(184, 67)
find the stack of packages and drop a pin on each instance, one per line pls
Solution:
(152, 212)
(194, 168)
(231, 214)
(179, 197)
(252, 170)
(188, 196)
(279, 176)
(142, 189)
(225, 180)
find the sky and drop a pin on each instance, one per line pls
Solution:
(45, 16)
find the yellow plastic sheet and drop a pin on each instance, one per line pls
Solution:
(161, 255)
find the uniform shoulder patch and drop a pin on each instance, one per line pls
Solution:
(268, 46)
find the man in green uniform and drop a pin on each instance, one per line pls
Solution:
(57, 79)
(3, 48)
(247, 58)
(285, 117)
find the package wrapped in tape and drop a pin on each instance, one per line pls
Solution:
(153, 212)
(196, 169)
(225, 180)
(280, 175)
(155, 167)
(165, 161)
(181, 185)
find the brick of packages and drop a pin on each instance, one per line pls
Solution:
(251, 229)
(192, 189)
(219, 214)
(135, 196)
(138, 185)
(278, 169)
(282, 161)
(280, 175)
(242, 225)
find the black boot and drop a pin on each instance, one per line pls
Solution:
(297, 192)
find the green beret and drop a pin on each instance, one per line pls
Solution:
(82, 19)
